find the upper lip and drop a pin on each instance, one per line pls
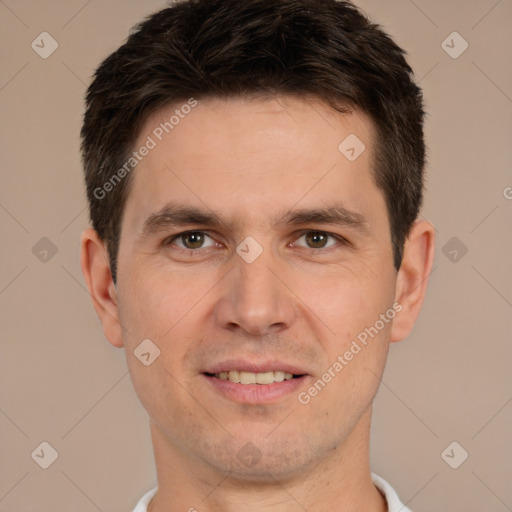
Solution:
(253, 367)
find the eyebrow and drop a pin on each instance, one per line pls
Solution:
(176, 215)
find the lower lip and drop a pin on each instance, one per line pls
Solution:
(255, 393)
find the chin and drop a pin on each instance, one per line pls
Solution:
(262, 460)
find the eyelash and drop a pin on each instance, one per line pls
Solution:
(340, 239)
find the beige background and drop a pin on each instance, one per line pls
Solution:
(62, 383)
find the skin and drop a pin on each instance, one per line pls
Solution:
(251, 161)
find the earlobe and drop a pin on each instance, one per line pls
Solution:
(412, 279)
(96, 271)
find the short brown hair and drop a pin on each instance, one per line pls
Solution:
(227, 48)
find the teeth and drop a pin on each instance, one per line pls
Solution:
(247, 378)
(254, 378)
(264, 378)
(234, 376)
(278, 376)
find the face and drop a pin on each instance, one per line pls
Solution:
(252, 248)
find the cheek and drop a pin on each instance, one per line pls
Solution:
(165, 396)
(351, 305)
(350, 378)
(156, 299)
(168, 310)
(346, 300)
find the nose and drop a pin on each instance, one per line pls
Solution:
(254, 298)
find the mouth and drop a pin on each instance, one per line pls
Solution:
(249, 383)
(263, 378)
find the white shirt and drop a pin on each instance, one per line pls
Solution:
(394, 503)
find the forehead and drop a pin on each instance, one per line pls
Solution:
(259, 155)
(306, 121)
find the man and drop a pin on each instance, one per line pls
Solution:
(254, 173)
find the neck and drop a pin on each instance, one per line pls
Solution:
(340, 481)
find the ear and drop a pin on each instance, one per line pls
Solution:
(412, 279)
(96, 270)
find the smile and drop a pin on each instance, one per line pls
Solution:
(242, 377)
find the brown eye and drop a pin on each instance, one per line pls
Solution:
(319, 240)
(192, 240)
(316, 239)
